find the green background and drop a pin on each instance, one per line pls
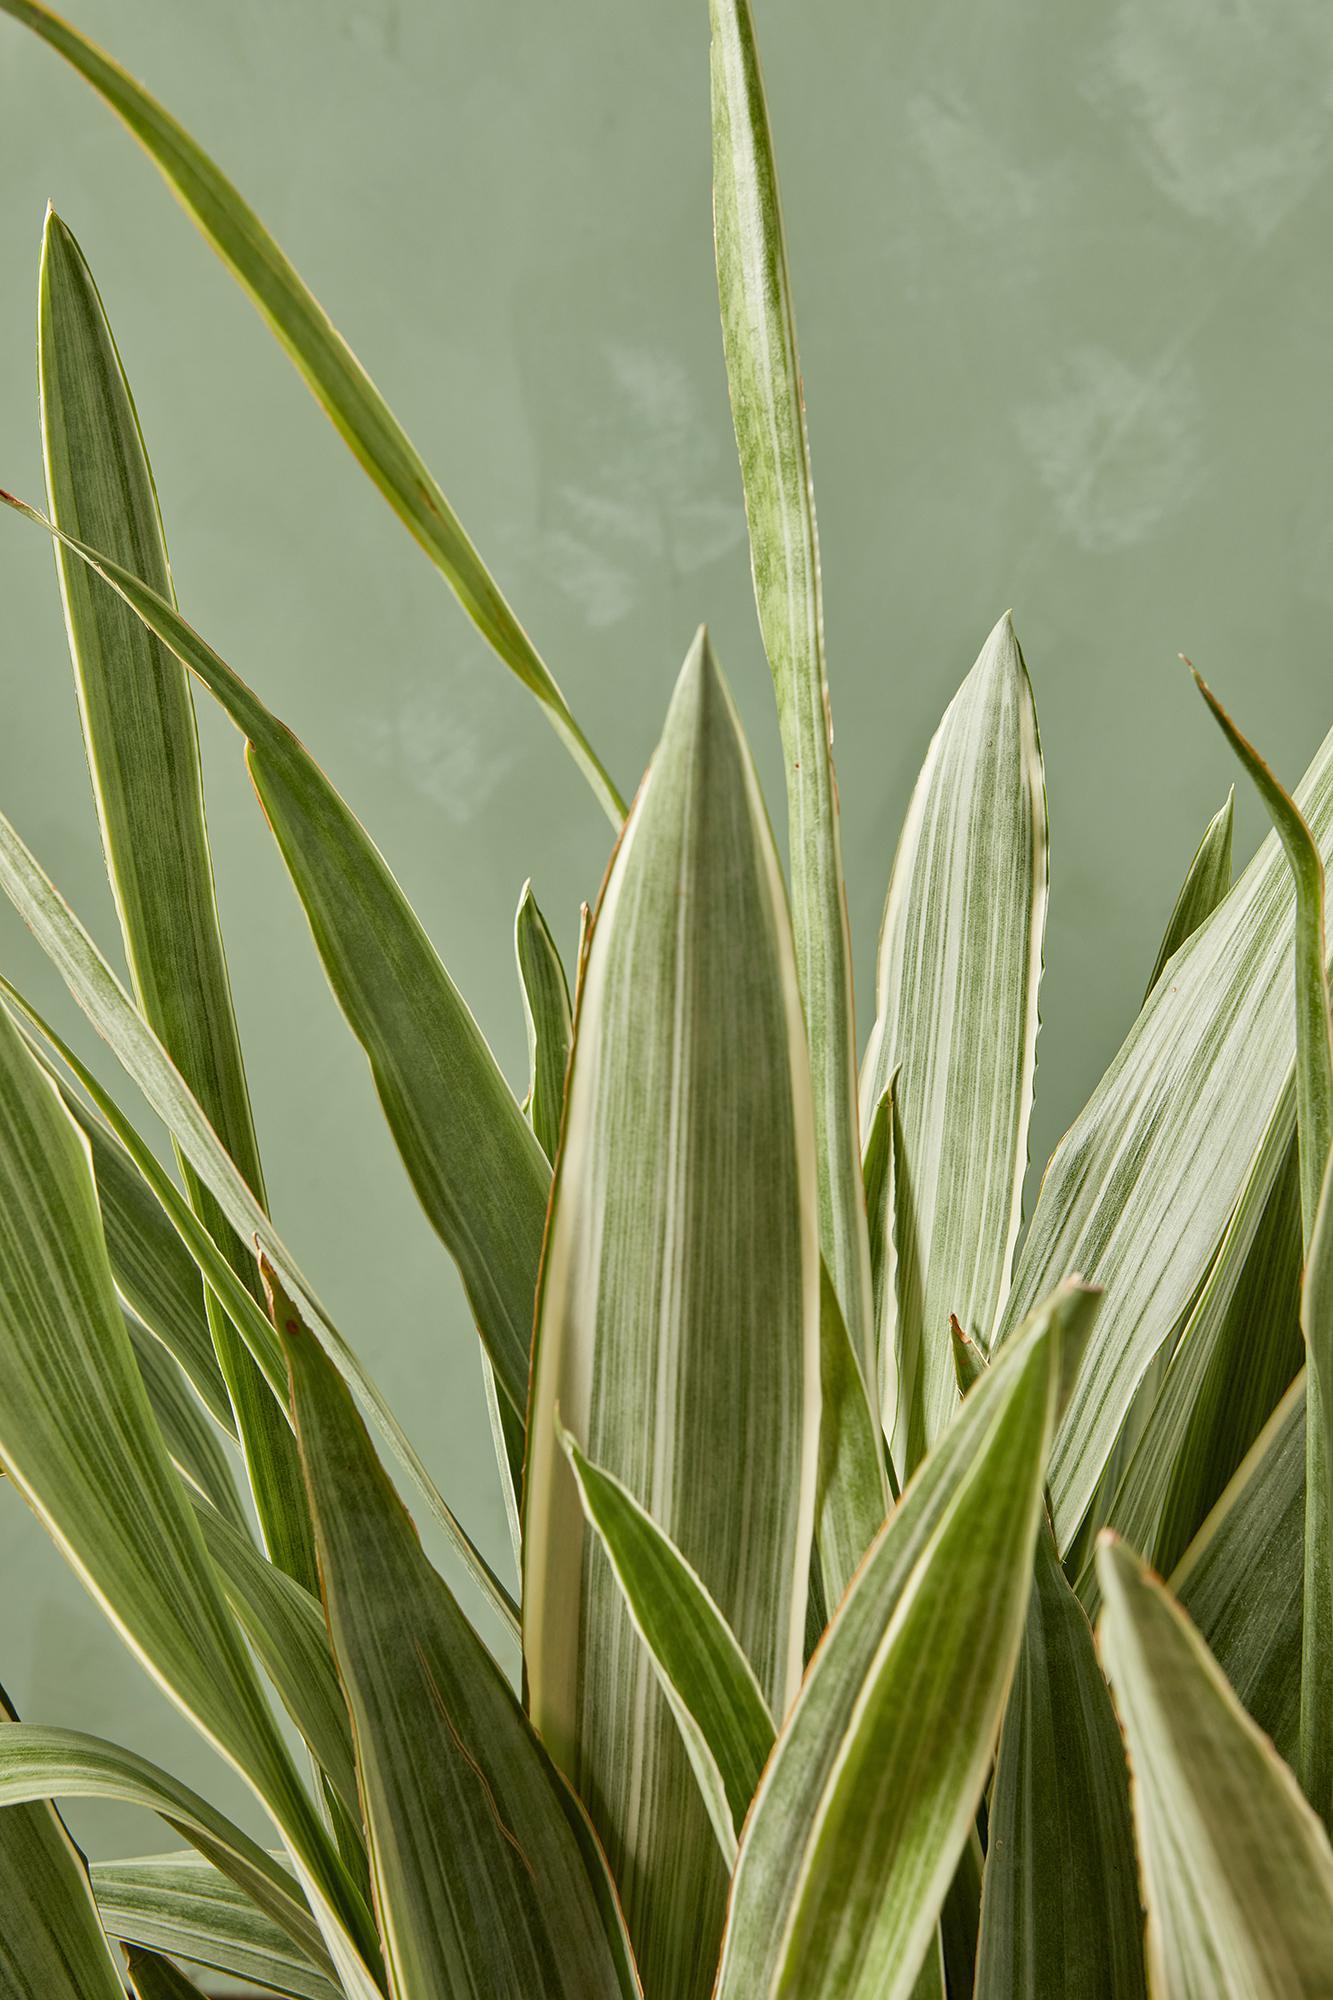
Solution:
(1066, 310)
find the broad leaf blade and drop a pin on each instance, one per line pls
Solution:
(478, 1171)
(178, 1904)
(143, 753)
(956, 1022)
(1138, 1193)
(334, 375)
(1060, 1916)
(866, 1804)
(708, 1682)
(479, 1882)
(767, 403)
(78, 1438)
(1207, 880)
(1237, 1870)
(678, 1322)
(1242, 1577)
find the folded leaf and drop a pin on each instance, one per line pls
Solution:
(52, 1944)
(549, 1020)
(477, 1169)
(768, 408)
(1060, 1916)
(332, 372)
(478, 1880)
(143, 752)
(709, 1684)
(79, 1440)
(1139, 1191)
(678, 1323)
(179, 1904)
(866, 1804)
(109, 1008)
(1237, 1870)
(1207, 881)
(1242, 1577)
(40, 1763)
(959, 964)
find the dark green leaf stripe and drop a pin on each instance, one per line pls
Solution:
(143, 752)
(678, 1327)
(155, 1978)
(479, 1882)
(767, 404)
(549, 1020)
(335, 377)
(1060, 1915)
(706, 1678)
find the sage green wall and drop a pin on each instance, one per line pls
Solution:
(1066, 310)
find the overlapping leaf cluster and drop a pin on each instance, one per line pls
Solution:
(818, 1463)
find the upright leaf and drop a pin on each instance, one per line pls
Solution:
(1237, 1870)
(853, 1490)
(1060, 1915)
(477, 1169)
(192, 1441)
(709, 1684)
(143, 752)
(79, 1441)
(1139, 1191)
(959, 964)
(479, 1882)
(332, 372)
(768, 407)
(1314, 1132)
(866, 1804)
(550, 1024)
(1242, 1579)
(52, 1944)
(1207, 880)
(678, 1323)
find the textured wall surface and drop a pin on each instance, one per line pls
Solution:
(1066, 309)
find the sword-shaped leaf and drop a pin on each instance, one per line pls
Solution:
(143, 752)
(1242, 1579)
(79, 1440)
(478, 1171)
(959, 965)
(678, 1326)
(853, 1497)
(479, 1881)
(42, 1763)
(1139, 1191)
(866, 1804)
(1314, 1134)
(155, 1978)
(768, 408)
(547, 1013)
(109, 1008)
(1237, 1870)
(709, 1684)
(52, 1942)
(332, 372)
(1060, 1915)
(1207, 880)
(179, 1904)
(189, 1436)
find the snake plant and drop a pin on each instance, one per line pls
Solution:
(909, 1599)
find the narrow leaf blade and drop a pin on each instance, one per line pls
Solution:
(181, 1905)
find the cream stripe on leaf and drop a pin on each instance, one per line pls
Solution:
(678, 1324)
(960, 958)
(768, 408)
(1140, 1190)
(1237, 1870)
(180, 1904)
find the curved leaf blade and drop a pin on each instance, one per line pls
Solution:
(1237, 1870)
(768, 409)
(678, 1319)
(959, 965)
(183, 1906)
(331, 371)
(866, 1804)
(155, 1978)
